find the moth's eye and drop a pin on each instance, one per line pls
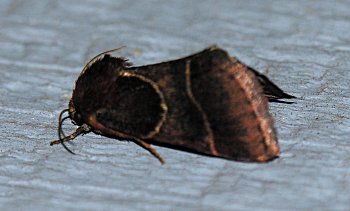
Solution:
(77, 119)
(78, 116)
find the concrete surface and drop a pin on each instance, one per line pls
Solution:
(304, 46)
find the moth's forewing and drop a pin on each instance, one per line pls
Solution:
(215, 107)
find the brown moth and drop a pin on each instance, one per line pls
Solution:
(208, 103)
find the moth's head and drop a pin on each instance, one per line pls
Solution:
(74, 115)
(76, 119)
(98, 74)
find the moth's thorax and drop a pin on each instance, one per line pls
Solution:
(93, 86)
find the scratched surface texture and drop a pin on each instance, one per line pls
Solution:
(304, 46)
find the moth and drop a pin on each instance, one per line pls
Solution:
(208, 103)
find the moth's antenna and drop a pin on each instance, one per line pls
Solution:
(60, 122)
(60, 130)
(98, 56)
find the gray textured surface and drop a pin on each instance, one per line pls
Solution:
(303, 46)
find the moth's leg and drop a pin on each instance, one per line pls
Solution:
(80, 130)
(149, 148)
